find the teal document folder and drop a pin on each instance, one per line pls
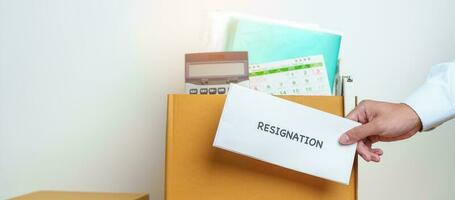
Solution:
(268, 42)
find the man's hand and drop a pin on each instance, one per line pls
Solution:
(381, 121)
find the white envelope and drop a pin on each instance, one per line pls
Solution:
(285, 133)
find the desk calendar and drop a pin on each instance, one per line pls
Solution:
(298, 76)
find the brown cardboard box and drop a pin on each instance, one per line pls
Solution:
(60, 195)
(197, 171)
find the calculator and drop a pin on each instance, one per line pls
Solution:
(211, 72)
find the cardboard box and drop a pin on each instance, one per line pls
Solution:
(197, 170)
(60, 195)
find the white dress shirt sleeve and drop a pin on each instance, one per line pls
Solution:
(434, 101)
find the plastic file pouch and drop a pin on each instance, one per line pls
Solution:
(272, 41)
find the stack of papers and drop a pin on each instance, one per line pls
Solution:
(268, 41)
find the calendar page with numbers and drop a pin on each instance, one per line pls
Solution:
(298, 76)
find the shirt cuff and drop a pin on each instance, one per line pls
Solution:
(431, 104)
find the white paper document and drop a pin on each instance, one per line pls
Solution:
(285, 133)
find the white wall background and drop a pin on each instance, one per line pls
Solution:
(83, 87)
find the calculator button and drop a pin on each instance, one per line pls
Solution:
(203, 91)
(193, 91)
(212, 90)
(221, 90)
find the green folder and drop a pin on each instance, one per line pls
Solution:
(268, 42)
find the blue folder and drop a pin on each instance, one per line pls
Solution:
(268, 42)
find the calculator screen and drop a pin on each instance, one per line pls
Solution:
(216, 69)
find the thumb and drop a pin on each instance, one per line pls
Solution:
(358, 133)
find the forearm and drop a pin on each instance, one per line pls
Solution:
(434, 101)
